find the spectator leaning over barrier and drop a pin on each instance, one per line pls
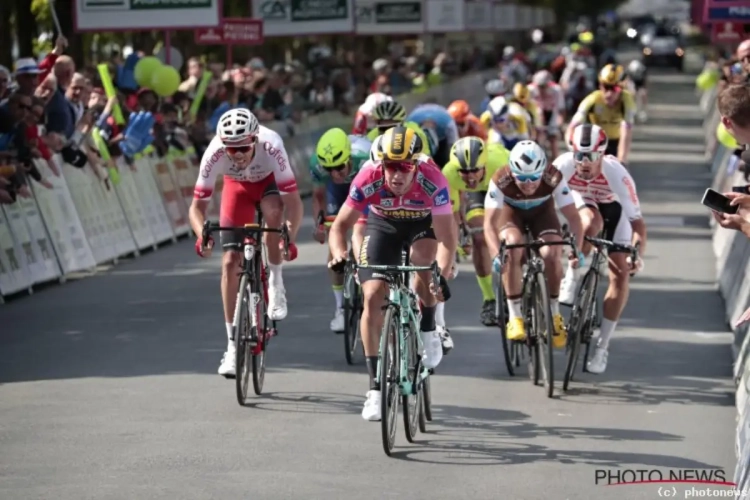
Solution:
(734, 106)
(739, 222)
(27, 76)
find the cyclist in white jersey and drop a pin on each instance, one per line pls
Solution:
(363, 121)
(256, 170)
(606, 198)
(550, 100)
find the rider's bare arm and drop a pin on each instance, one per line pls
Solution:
(345, 220)
(447, 238)
(294, 210)
(197, 216)
(493, 203)
(318, 200)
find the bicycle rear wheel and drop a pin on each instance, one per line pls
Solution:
(532, 339)
(576, 325)
(242, 334)
(412, 403)
(352, 310)
(390, 358)
(508, 347)
(544, 328)
(261, 325)
(594, 321)
(426, 414)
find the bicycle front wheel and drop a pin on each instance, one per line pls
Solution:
(579, 317)
(544, 328)
(242, 335)
(261, 327)
(352, 311)
(412, 403)
(390, 359)
(508, 347)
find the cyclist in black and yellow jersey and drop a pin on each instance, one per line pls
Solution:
(612, 108)
(472, 164)
(386, 114)
(522, 96)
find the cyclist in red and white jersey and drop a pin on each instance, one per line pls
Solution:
(363, 121)
(256, 170)
(606, 198)
(550, 100)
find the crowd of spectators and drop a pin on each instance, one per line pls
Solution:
(51, 106)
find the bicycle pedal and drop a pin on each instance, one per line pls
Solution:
(431, 371)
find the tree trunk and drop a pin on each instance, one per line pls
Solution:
(25, 28)
(6, 41)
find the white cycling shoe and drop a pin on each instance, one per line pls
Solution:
(277, 309)
(227, 367)
(568, 289)
(371, 410)
(433, 349)
(598, 363)
(337, 323)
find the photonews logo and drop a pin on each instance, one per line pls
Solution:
(620, 477)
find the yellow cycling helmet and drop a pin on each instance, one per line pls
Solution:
(334, 148)
(611, 74)
(470, 153)
(400, 144)
(521, 93)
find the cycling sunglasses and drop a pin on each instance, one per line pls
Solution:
(467, 171)
(523, 178)
(400, 166)
(591, 156)
(245, 148)
(500, 119)
(460, 124)
(613, 88)
(383, 128)
(338, 168)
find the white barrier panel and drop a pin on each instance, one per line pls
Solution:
(14, 276)
(43, 266)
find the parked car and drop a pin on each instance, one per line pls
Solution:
(663, 46)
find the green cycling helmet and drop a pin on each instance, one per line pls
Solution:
(334, 148)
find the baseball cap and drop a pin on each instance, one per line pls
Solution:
(27, 66)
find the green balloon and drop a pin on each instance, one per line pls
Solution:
(145, 69)
(165, 81)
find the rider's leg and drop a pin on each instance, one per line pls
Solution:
(592, 223)
(512, 273)
(335, 197)
(423, 252)
(272, 208)
(481, 258)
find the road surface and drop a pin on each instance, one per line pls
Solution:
(109, 385)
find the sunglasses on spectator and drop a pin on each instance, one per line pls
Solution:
(399, 166)
(592, 156)
(523, 178)
(613, 88)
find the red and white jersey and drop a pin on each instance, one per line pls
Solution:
(553, 98)
(270, 159)
(613, 184)
(362, 121)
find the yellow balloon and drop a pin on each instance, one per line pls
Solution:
(165, 81)
(144, 70)
(725, 138)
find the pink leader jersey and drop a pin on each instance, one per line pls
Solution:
(427, 195)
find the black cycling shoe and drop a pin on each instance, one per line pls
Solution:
(487, 316)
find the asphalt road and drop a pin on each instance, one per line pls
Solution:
(109, 385)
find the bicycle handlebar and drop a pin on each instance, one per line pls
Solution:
(395, 270)
(250, 230)
(610, 245)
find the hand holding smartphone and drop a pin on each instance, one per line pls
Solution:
(718, 202)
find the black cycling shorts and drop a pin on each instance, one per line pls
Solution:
(384, 240)
(616, 226)
(475, 204)
(612, 146)
(443, 154)
(639, 83)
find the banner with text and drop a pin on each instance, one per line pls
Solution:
(478, 15)
(505, 17)
(445, 16)
(141, 15)
(389, 17)
(304, 17)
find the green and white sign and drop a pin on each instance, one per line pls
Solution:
(135, 15)
(389, 17)
(304, 17)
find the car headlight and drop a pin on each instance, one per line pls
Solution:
(646, 51)
(679, 52)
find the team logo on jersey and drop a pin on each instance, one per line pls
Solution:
(414, 203)
(355, 194)
(387, 203)
(406, 214)
(370, 189)
(427, 186)
(442, 198)
(212, 161)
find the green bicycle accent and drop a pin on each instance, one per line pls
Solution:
(400, 371)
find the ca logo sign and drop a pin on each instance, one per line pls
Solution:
(365, 14)
(273, 9)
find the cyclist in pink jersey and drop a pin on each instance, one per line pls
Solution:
(409, 205)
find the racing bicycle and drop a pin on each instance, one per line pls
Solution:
(251, 328)
(352, 310)
(584, 315)
(400, 370)
(537, 313)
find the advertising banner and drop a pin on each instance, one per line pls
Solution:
(304, 17)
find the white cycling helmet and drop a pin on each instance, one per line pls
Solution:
(636, 68)
(542, 78)
(495, 88)
(527, 158)
(588, 138)
(499, 108)
(237, 125)
(375, 154)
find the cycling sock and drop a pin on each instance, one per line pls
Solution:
(514, 308)
(554, 305)
(428, 319)
(608, 328)
(485, 284)
(338, 292)
(230, 343)
(440, 314)
(372, 370)
(274, 276)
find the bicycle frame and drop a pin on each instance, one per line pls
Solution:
(405, 301)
